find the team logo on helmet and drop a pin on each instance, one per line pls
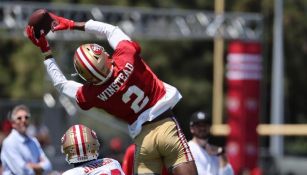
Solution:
(96, 49)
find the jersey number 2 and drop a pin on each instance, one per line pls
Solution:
(140, 101)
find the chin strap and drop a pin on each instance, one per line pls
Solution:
(108, 76)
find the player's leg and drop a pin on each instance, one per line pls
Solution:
(174, 148)
(163, 142)
(147, 159)
(185, 168)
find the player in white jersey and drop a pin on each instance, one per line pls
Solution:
(80, 146)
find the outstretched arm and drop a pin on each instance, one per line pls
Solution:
(64, 86)
(113, 33)
(60, 82)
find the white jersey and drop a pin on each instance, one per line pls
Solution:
(105, 166)
(208, 164)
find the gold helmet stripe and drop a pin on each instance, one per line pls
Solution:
(108, 76)
(88, 65)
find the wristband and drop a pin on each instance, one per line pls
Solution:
(47, 54)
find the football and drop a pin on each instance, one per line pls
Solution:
(40, 20)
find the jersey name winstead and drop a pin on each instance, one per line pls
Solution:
(117, 83)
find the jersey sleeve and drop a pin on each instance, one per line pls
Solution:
(127, 49)
(83, 98)
(113, 33)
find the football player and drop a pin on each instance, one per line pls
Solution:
(80, 146)
(124, 86)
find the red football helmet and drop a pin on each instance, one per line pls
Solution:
(93, 64)
(79, 144)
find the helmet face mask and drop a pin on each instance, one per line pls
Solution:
(93, 64)
(79, 144)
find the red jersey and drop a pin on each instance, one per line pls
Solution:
(131, 89)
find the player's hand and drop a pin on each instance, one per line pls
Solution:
(61, 23)
(41, 42)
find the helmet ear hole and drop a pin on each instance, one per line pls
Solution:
(96, 57)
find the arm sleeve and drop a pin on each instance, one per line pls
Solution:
(113, 33)
(60, 82)
(14, 160)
